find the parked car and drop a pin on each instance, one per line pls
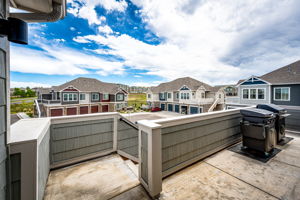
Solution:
(156, 109)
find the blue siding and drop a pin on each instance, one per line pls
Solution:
(294, 95)
(249, 82)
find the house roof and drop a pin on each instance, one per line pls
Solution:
(90, 85)
(286, 74)
(176, 84)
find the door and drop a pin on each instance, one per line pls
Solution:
(56, 112)
(71, 111)
(194, 110)
(184, 110)
(105, 108)
(94, 109)
(162, 106)
(84, 110)
(177, 108)
(170, 107)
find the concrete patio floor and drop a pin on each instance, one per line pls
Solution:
(225, 175)
(97, 179)
(134, 117)
(228, 175)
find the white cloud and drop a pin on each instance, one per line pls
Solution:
(72, 28)
(105, 29)
(199, 35)
(146, 84)
(60, 60)
(18, 84)
(86, 9)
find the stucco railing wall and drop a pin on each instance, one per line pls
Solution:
(175, 143)
(73, 140)
(127, 144)
(61, 141)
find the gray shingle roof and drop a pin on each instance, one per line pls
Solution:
(287, 74)
(89, 85)
(176, 84)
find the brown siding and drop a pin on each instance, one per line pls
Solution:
(84, 110)
(56, 112)
(94, 109)
(71, 111)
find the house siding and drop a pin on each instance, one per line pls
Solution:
(254, 101)
(294, 95)
(4, 104)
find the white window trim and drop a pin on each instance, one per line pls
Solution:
(83, 95)
(289, 96)
(243, 93)
(123, 97)
(256, 93)
(97, 98)
(105, 98)
(68, 94)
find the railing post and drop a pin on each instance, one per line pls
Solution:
(150, 155)
(115, 132)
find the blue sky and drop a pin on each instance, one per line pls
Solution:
(148, 42)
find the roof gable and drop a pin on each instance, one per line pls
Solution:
(253, 80)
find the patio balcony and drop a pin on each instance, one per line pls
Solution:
(80, 157)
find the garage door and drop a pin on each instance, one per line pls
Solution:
(105, 108)
(71, 111)
(84, 110)
(194, 110)
(162, 106)
(170, 107)
(94, 109)
(56, 112)
(177, 108)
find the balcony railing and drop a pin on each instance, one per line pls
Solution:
(50, 101)
(161, 147)
(234, 100)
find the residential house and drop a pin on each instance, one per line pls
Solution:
(281, 87)
(186, 95)
(82, 96)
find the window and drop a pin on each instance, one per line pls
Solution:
(203, 95)
(220, 96)
(169, 95)
(245, 93)
(177, 95)
(252, 93)
(70, 96)
(149, 96)
(120, 97)
(95, 97)
(282, 94)
(261, 93)
(105, 96)
(185, 95)
(82, 96)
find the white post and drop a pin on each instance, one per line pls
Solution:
(154, 162)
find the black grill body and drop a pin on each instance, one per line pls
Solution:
(258, 129)
(280, 118)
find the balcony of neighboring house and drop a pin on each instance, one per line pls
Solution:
(105, 156)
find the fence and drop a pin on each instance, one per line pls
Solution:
(168, 145)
